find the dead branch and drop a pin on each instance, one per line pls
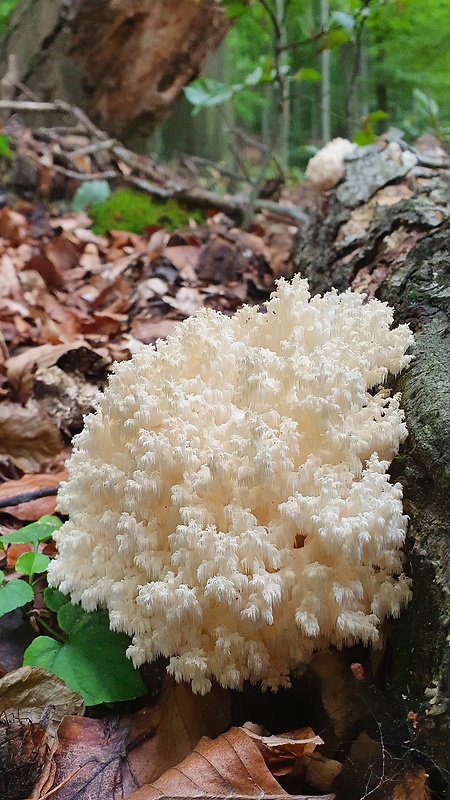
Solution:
(164, 183)
(27, 497)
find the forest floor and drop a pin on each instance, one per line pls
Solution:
(71, 303)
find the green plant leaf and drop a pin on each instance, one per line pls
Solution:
(54, 599)
(92, 661)
(14, 594)
(30, 563)
(307, 74)
(2, 576)
(207, 92)
(36, 532)
(5, 149)
(90, 193)
(335, 38)
(235, 8)
(374, 116)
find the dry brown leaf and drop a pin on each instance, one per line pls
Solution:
(30, 694)
(27, 435)
(63, 253)
(413, 786)
(187, 300)
(185, 259)
(148, 330)
(20, 369)
(34, 509)
(161, 737)
(14, 552)
(48, 271)
(9, 282)
(229, 766)
(295, 743)
(87, 761)
(13, 226)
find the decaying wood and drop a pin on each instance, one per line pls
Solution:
(386, 231)
(126, 61)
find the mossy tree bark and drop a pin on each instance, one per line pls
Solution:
(124, 61)
(385, 230)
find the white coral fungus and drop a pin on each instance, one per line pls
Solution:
(327, 167)
(229, 502)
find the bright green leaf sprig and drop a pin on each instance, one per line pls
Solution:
(16, 593)
(91, 660)
(87, 655)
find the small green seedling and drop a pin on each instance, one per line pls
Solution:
(79, 652)
(91, 659)
(17, 593)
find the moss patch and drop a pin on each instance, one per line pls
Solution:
(126, 210)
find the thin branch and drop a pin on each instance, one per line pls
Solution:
(27, 497)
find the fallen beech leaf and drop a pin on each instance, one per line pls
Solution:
(87, 761)
(298, 743)
(27, 435)
(187, 300)
(9, 282)
(14, 552)
(63, 253)
(52, 276)
(34, 509)
(229, 766)
(23, 749)
(185, 259)
(160, 737)
(413, 786)
(13, 226)
(148, 330)
(20, 369)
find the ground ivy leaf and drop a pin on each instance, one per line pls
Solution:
(35, 532)
(54, 599)
(14, 594)
(30, 563)
(92, 661)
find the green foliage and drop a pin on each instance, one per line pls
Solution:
(90, 193)
(5, 149)
(133, 211)
(367, 134)
(16, 593)
(91, 660)
(13, 594)
(425, 116)
(80, 658)
(6, 9)
(36, 532)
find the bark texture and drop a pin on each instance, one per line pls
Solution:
(125, 61)
(385, 230)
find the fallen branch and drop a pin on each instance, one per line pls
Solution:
(27, 497)
(165, 184)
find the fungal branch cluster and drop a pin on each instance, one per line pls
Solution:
(229, 502)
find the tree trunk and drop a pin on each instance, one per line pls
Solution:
(385, 230)
(124, 61)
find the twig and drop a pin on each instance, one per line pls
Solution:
(85, 176)
(60, 785)
(27, 497)
(95, 147)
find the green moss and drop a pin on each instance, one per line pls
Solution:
(126, 210)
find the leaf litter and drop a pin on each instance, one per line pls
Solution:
(71, 303)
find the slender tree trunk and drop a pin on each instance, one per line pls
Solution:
(325, 105)
(284, 86)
